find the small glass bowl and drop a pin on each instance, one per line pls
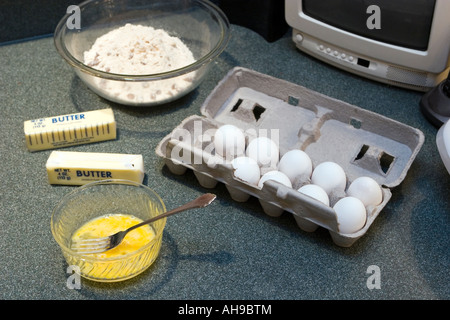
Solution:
(98, 199)
(199, 24)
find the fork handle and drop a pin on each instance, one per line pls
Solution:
(199, 202)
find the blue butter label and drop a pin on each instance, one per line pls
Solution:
(94, 174)
(70, 117)
(69, 174)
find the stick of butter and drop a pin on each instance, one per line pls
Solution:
(70, 129)
(78, 168)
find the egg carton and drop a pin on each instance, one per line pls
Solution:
(362, 142)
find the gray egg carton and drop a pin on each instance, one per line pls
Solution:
(362, 142)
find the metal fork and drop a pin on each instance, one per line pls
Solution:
(98, 245)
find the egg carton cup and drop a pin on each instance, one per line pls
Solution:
(362, 142)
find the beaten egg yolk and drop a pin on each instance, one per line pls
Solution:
(107, 225)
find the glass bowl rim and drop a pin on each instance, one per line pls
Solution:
(221, 18)
(88, 257)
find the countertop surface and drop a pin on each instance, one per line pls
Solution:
(230, 250)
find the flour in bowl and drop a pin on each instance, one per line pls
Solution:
(140, 50)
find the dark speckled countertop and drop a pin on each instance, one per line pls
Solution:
(233, 250)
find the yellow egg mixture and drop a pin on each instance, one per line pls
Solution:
(105, 226)
(110, 224)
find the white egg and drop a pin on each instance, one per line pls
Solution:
(367, 190)
(295, 163)
(277, 176)
(316, 192)
(330, 176)
(351, 214)
(264, 150)
(229, 141)
(246, 169)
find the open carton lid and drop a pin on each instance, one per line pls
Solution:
(364, 143)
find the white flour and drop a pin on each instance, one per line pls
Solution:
(140, 50)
